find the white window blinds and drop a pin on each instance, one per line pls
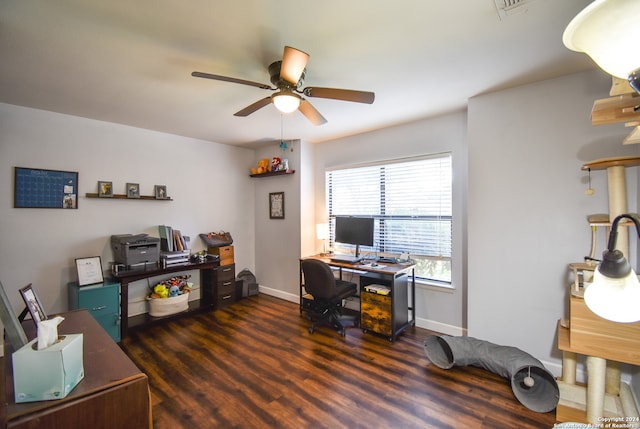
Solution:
(411, 201)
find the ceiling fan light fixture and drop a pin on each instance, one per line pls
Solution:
(607, 31)
(286, 102)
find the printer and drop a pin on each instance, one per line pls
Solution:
(129, 249)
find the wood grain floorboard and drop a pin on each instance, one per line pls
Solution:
(255, 365)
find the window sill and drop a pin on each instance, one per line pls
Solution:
(435, 286)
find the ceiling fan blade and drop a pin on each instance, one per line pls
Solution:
(253, 107)
(293, 63)
(340, 94)
(230, 79)
(311, 113)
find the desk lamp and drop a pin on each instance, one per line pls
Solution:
(615, 292)
(608, 31)
(322, 232)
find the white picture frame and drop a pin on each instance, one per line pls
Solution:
(89, 270)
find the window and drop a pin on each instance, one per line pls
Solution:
(409, 199)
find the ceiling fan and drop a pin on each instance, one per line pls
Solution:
(287, 76)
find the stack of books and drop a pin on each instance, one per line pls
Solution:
(172, 239)
(174, 247)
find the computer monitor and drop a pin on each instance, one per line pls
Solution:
(354, 230)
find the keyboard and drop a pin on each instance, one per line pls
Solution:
(345, 259)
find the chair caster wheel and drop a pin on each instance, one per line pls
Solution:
(311, 330)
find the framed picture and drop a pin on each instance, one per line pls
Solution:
(33, 304)
(89, 270)
(276, 205)
(160, 192)
(14, 332)
(133, 190)
(45, 189)
(105, 189)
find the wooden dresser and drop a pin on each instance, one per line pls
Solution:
(114, 393)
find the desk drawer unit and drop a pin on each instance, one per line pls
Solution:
(388, 314)
(375, 313)
(103, 302)
(226, 285)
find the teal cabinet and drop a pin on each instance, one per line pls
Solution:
(103, 302)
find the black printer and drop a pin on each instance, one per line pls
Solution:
(129, 249)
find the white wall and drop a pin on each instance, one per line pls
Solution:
(527, 205)
(438, 309)
(206, 181)
(277, 241)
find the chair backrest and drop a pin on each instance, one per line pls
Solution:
(319, 280)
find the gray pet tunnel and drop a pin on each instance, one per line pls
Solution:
(532, 384)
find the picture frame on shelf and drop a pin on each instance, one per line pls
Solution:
(276, 205)
(34, 307)
(160, 192)
(133, 190)
(105, 189)
(89, 270)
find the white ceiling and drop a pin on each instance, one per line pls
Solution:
(130, 61)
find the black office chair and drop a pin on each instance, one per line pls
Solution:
(328, 293)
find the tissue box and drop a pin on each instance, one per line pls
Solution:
(51, 373)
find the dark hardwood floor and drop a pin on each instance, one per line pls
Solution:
(255, 365)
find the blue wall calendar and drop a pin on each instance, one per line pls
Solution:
(50, 189)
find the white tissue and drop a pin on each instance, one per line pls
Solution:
(48, 332)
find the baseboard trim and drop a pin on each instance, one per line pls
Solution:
(279, 294)
(441, 328)
(431, 325)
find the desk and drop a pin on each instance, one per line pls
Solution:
(395, 276)
(207, 289)
(113, 394)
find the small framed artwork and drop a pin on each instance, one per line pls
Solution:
(105, 189)
(133, 190)
(33, 304)
(160, 192)
(89, 270)
(276, 205)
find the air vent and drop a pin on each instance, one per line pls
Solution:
(509, 7)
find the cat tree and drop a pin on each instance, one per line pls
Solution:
(604, 343)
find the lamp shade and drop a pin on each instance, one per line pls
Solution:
(322, 231)
(608, 31)
(286, 102)
(615, 299)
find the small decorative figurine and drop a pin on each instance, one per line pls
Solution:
(276, 163)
